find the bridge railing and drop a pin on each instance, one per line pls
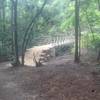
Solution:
(62, 39)
(54, 40)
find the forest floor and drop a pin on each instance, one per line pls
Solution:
(61, 79)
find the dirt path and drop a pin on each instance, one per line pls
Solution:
(57, 81)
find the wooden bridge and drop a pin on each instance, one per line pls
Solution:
(45, 43)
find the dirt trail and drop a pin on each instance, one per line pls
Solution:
(60, 80)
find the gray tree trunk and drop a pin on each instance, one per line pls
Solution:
(15, 33)
(77, 31)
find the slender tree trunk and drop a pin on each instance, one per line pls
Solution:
(79, 41)
(77, 31)
(79, 35)
(2, 18)
(98, 5)
(28, 30)
(3, 14)
(12, 24)
(98, 56)
(16, 34)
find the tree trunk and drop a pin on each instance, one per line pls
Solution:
(79, 35)
(99, 5)
(3, 14)
(24, 44)
(16, 33)
(2, 19)
(79, 41)
(12, 24)
(77, 31)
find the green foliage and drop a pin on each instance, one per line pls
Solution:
(95, 43)
(64, 49)
(89, 42)
(57, 17)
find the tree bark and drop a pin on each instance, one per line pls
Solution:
(16, 33)
(12, 24)
(77, 31)
(79, 41)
